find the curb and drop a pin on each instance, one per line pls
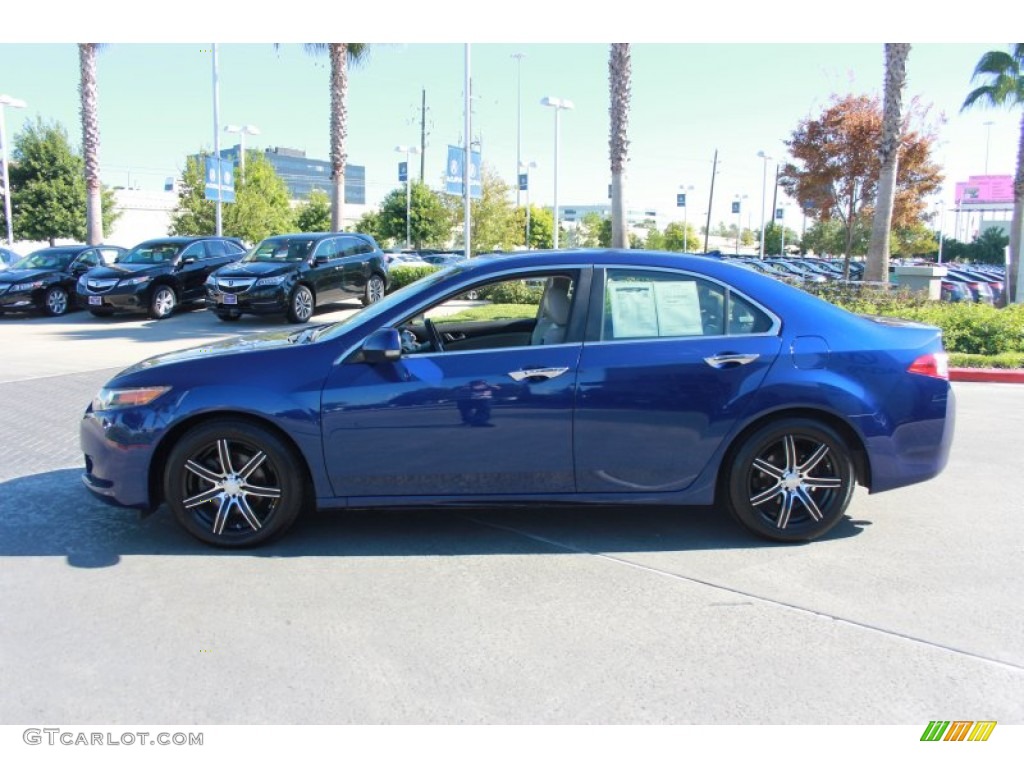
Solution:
(994, 375)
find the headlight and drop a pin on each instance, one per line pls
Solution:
(272, 280)
(81, 282)
(211, 280)
(134, 280)
(112, 399)
(28, 286)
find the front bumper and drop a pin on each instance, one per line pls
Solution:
(269, 300)
(133, 298)
(118, 447)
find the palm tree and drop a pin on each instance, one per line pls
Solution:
(619, 73)
(889, 154)
(341, 55)
(1005, 88)
(91, 142)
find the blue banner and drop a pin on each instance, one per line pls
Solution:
(524, 182)
(779, 214)
(403, 171)
(681, 200)
(454, 173)
(220, 179)
(736, 207)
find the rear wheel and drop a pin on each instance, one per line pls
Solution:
(374, 290)
(791, 480)
(231, 483)
(163, 302)
(55, 302)
(300, 305)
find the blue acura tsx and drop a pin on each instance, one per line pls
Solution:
(573, 376)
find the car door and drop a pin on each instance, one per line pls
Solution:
(467, 421)
(193, 266)
(85, 261)
(326, 270)
(670, 364)
(354, 253)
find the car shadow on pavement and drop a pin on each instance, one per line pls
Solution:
(52, 514)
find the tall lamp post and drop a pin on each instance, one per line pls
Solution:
(519, 115)
(684, 190)
(7, 101)
(558, 105)
(242, 131)
(764, 191)
(524, 170)
(737, 204)
(408, 149)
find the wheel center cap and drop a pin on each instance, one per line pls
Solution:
(791, 480)
(232, 486)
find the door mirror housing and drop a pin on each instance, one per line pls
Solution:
(382, 346)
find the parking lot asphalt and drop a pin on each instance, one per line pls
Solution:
(907, 611)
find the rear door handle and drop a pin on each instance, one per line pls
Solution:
(721, 361)
(536, 373)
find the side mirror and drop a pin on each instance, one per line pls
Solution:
(187, 260)
(382, 346)
(318, 260)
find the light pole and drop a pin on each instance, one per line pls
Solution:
(408, 149)
(738, 205)
(525, 167)
(558, 105)
(242, 131)
(519, 115)
(7, 101)
(686, 231)
(764, 191)
(988, 137)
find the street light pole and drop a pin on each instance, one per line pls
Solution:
(519, 114)
(527, 167)
(408, 149)
(686, 207)
(558, 105)
(242, 131)
(988, 139)
(216, 140)
(7, 101)
(764, 192)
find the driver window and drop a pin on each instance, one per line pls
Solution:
(196, 251)
(520, 312)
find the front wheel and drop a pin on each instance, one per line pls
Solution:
(55, 302)
(300, 305)
(231, 483)
(374, 290)
(791, 480)
(163, 302)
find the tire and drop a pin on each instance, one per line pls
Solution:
(162, 302)
(56, 301)
(300, 305)
(791, 480)
(374, 291)
(228, 318)
(234, 484)
(105, 312)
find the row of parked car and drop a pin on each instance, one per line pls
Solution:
(287, 275)
(963, 282)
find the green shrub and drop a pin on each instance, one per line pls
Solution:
(402, 276)
(1005, 360)
(513, 292)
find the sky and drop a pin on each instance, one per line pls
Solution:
(692, 92)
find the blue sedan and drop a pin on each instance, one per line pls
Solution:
(584, 376)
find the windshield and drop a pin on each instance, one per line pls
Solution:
(384, 305)
(282, 250)
(151, 253)
(46, 260)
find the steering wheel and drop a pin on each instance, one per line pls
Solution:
(434, 335)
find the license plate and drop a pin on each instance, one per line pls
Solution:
(230, 298)
(95, 301)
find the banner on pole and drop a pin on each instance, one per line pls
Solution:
(454, 172)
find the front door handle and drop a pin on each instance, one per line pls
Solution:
(536, 373)
(721, 361)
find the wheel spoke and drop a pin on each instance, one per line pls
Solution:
(203, 472)
(768, 468)
(202, 498)
(767, 495)
(808, 501)
(790, 446)
(222, 515)
(252, 465)
(224, 454)
(262, 492)
(785, 509)
(248, 514)
(823, 482)
(814, 459)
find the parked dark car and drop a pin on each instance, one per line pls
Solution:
(630, 377)
(45, 279)
(8, 258)
(291, 275)
(157, 275)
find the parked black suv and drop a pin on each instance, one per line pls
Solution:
(45, 279)
(157, 275)
(292, 274)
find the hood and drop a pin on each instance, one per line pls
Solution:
(257, 342)
(257, 269)
(123, 270)
(24, 275)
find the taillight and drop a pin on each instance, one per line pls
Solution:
(934, 364)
